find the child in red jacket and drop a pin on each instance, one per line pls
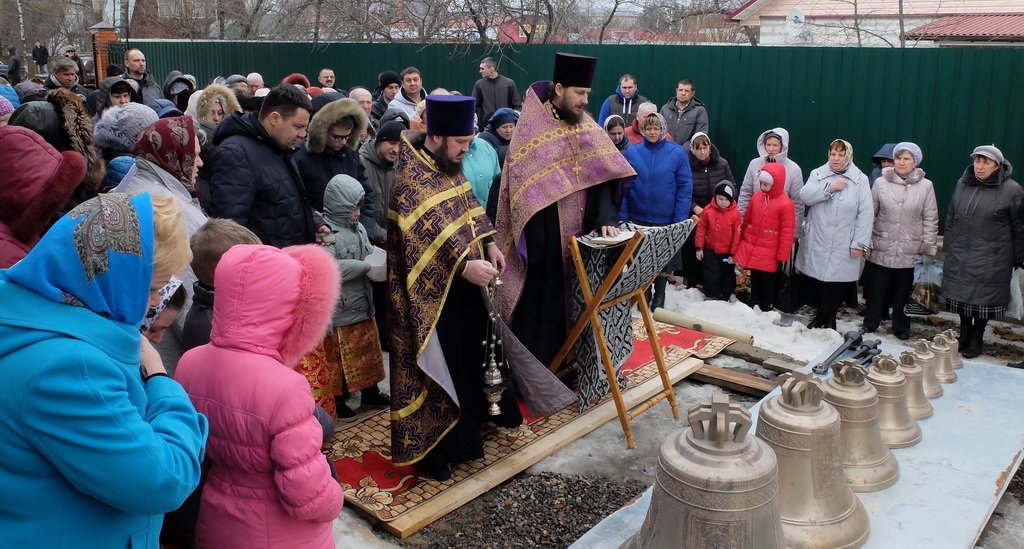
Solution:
(718, 237)
(767, 236)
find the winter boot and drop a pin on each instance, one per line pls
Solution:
(965, 324)
(372, 396)
(658, 302)
(975, 337)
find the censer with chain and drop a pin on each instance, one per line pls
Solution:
(494, 354)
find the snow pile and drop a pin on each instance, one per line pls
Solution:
(796, 340)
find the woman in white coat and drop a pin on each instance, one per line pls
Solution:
(837, 232)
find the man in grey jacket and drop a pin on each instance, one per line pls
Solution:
(685, 115)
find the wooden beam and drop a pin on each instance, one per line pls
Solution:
(733, 380)
(757, 355)
(781, 366)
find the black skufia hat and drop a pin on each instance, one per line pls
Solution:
(574, 70)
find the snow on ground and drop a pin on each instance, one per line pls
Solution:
(796, 341)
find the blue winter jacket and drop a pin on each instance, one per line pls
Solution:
(92, 456)
(663, 188)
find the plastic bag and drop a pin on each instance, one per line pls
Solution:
(1016, 307)
(925, 299)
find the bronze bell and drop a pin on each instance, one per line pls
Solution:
(817, 506)
(898, 427)
(917, 402)
(943, 359)
(924, 357)
(716, 486)
(954, 348)
(868, 463)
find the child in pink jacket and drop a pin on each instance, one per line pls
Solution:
(267, 484)
(767, 235)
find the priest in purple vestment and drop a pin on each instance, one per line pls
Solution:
(563, 177)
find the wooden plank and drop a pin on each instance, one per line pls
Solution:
(733, 380)
(472, 487)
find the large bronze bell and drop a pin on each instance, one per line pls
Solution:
(716, 486)
(818, 508)
(924, 357)
(917, 401)
(954, 348)
(898, 427)
(867, 462)
(943, 359)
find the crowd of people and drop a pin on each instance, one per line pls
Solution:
(131, 393)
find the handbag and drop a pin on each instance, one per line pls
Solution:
(925, 299)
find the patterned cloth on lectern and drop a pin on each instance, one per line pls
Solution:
(657, 248)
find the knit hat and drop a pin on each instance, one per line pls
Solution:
(503, 116)
(30, 91)
(322, 99)
(164, 108)
(5, 107)
(391, 131)
(911, 148)
(724, 188)
(119, 127)
(314, 92)
(387, 78)
(395, 115)
(9, 93)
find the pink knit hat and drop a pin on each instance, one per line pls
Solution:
(5, 106)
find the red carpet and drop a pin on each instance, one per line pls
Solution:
(362, 452)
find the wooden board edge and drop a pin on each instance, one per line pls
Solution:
(478, 485)
(734, 380)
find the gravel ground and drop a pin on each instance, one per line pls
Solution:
(548, 510)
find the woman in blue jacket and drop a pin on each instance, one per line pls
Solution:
(97, 443)
(662, 191)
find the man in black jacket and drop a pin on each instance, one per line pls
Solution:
(493, 91)
(13, 67)
(254, 181)
(41, 56)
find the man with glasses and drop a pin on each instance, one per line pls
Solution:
(332, 149)
(326, 78)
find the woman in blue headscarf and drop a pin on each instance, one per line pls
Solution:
(97, 442)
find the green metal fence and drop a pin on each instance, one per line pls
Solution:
(947, 100)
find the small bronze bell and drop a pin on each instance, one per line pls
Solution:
(954, 348)
(943, 359)
(817, 506)
(917, 402)
(898, 427)
(716, 486)
(868, 463)
(924, 357)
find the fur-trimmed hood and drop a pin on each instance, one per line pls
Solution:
(208, 96)
(274, 302)
(64, 123)
(331, 114)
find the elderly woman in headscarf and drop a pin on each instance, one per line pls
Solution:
(498, 132)
(94, 433)
(662, 191)
(906, 225)
(984, 242)
(838, 231)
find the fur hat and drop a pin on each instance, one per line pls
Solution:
(911, 148)
(392, 131)
(44, 179)
(119, 127)
(328, 116)
(206, 98)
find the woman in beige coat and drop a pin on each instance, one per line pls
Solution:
(906, 226)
